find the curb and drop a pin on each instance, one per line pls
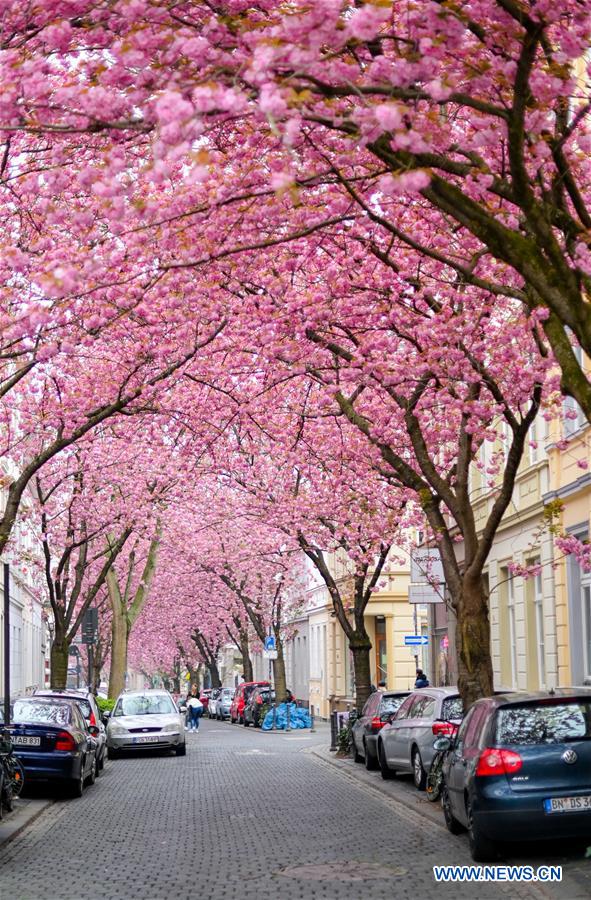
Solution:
(412, 803)
(24, 814)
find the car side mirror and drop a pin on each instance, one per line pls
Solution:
(94, 730)
(106, 717)
(442, 744)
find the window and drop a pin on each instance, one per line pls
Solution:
(390, 705)
(547, 723)
(587, 630)
(512, 627)
(573, 415)
(539, 609)
(452, 709)
(472, 733)
(404, 709)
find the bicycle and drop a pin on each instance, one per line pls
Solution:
(12, 776)
(434, 783)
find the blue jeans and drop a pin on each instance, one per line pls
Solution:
(194, 716)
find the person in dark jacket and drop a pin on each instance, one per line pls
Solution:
(422, 680)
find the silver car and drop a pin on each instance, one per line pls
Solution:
(406, 743)
(223, 704)
(145, 720)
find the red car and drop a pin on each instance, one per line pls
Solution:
(243, 692)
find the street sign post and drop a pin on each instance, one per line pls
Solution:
(416, 640)
(270, 642)
(269, 654)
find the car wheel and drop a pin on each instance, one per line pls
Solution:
(91, 777)
(181, 750)
(418, 773)
(384, 767)
(112, 753)
(451, 823)
(77, 788)
(371, 762)
(481, 847)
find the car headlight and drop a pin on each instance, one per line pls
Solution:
(171, 727)
(116, 729)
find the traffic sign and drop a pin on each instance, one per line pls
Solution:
(270, 642)
(415, 640)
(270, 654)
(89, 626)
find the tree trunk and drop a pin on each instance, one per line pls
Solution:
(214, 674)
(246, 660)
(360, 648)
(279, 674)
(60, 649)
(475, 671)
(120, 635)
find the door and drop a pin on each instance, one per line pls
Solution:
(389, 734)
(402, 731)
(463, 759)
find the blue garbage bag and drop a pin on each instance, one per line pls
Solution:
(298, 717)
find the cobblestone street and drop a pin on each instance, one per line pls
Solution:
(243, 815)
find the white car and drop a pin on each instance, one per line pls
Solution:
(145, 720)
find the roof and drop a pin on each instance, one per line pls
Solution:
(531, 696)
(438, 691)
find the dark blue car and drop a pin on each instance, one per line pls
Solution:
(519, 769)
(53, 742)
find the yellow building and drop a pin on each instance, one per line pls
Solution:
(569, 499)
(388, 618)
(524, 620)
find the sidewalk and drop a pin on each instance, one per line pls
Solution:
(25, 812)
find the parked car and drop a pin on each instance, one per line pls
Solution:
(254, 704)
(406, 743)
(520, 769)
(243, 692)
(211, 706)
(87, 703)
(379, 709)
(147, 720)
(224, 703)
(54, 742)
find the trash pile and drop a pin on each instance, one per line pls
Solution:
(298, 717)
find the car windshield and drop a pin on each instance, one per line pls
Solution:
(390, 704)
(32, 711)
(544, 723)
(452, 709)
(144, 705)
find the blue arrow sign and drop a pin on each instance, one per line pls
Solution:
(270, 642)
(415, 640)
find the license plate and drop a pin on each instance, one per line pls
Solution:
(24, 740)
(567, 804)
(146, 739)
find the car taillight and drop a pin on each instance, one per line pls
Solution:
(377, 724)
(446, 729)
(92, 720)
(65, 741)
(259, 699)
(498, 762)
